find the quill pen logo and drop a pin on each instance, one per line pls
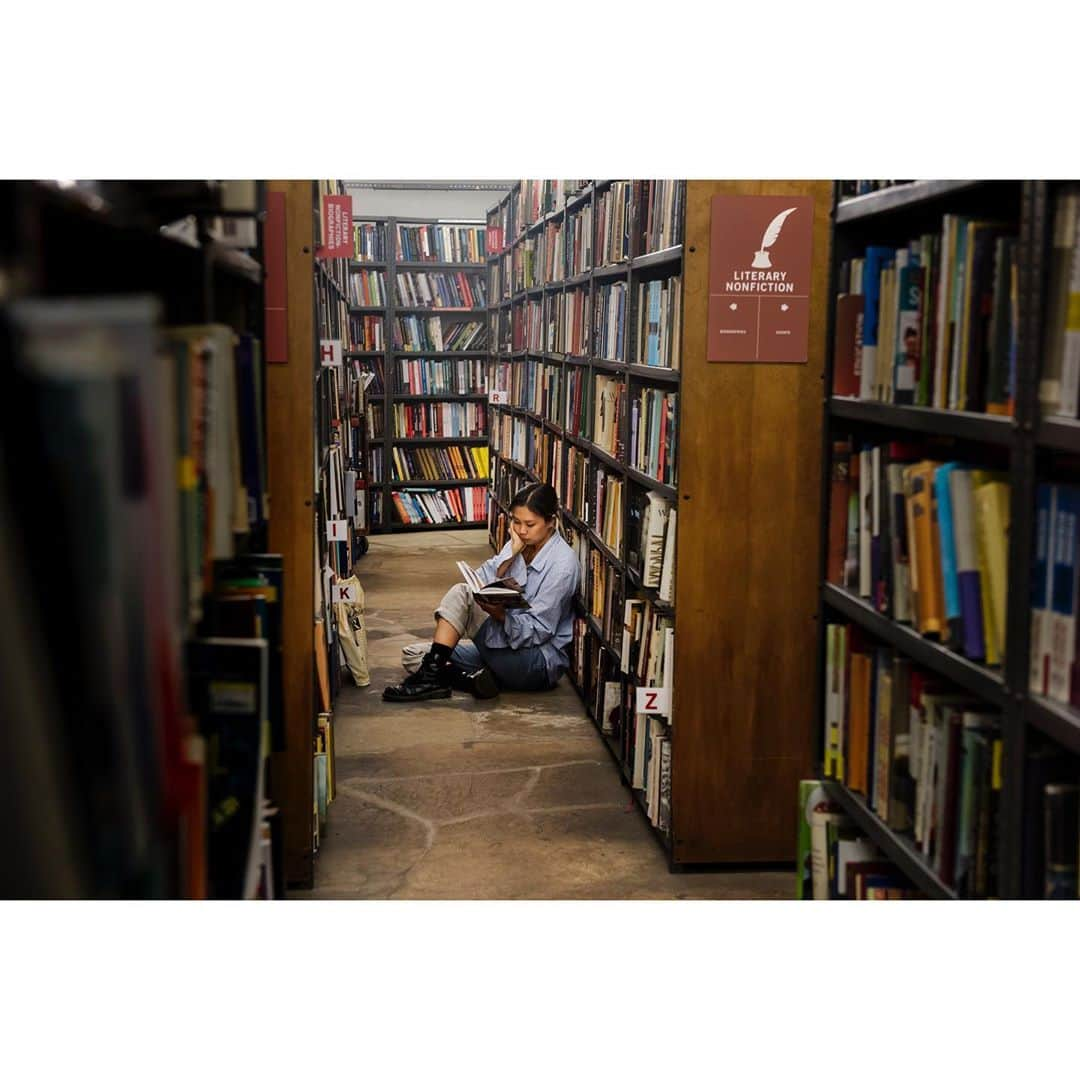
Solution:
(772, 234)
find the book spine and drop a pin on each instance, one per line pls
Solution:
(1040, 590)
(1063, 593)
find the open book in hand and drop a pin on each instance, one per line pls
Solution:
(505, 591)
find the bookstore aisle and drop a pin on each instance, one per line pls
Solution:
(510, 798)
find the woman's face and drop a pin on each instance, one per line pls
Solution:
(529, 526)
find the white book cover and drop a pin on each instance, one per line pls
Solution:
(656, 517)
(667, 574)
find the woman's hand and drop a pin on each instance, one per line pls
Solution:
(495, 610)
(517, 545)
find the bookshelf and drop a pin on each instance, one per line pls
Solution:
(1027, 448)
(116, 606)
(316, 399)
(558, 328)
(430, 271)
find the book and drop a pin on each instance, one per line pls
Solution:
(228, 692)
(966, 563)
(847, 356)
(505, 591)
(813, 802)
(1061, 646)
(1039, 668)
(1061, 804)
(1054, 396)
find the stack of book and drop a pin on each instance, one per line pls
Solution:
(577, 402)
(369, 241)
(573, 308)
(441, 243)
(440, 420)
(1059, 385)
(551, 393)
(441, 463)
(1055, 665)
(651, 542)
(416, 506)
(523, 264)
(608, 394)
(659, 312)
(613, 223)
(933, 323)
(660, 214)
(924, 541)
(609, 321)
(415, 333)
(653, 435)
(440, 290)
(438, 376)
(927, 758)
(551, 253)
(366, 333)
(835, 860)
(579, 240)
(367, 288)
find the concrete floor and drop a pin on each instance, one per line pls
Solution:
(512, 798)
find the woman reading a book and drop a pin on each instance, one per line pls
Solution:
(515, 609)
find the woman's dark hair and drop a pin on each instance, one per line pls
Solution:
(539, 498)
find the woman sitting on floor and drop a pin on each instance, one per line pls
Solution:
(511, 648)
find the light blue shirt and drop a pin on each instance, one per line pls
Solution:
(550, 582)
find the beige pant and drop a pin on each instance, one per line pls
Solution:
(460, 610)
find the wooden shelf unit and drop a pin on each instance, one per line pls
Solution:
(742, 731)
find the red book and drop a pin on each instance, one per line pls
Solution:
(847, 353)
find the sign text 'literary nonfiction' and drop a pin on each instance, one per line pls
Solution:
(759, 279)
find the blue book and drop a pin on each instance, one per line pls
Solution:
(967, 563)
(1063, 579)
(653, 340)
(876, 257)
(953, 610)
(1040, 590)
(619, 324)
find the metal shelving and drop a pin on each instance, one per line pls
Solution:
(391, 265)
(1031, 440)
(976, 427)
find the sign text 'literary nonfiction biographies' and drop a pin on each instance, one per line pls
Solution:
(337, 227)
(759, 279)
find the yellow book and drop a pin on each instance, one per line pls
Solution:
(923, 541)
(991, 636)
(991, 531)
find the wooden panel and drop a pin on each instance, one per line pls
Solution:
(290, 423)
(748, 536)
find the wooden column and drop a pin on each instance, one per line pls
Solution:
(290, 422)
(749, 524)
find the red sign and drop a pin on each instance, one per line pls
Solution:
(759, 279)
(337, 227)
